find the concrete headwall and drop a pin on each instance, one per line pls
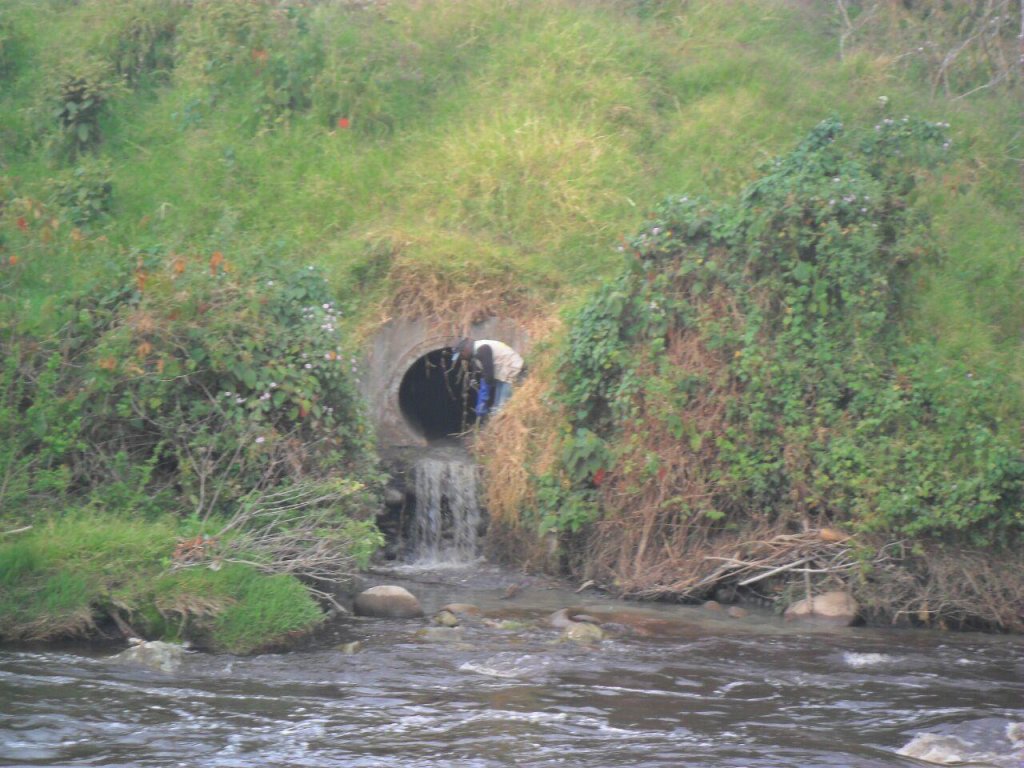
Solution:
(394, 349)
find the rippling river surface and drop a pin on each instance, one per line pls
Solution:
(672, 686)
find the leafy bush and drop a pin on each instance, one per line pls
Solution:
(77, 92)
(143, 39)
(259, 51)
(185, 382)
(84, 192)
(751, 363)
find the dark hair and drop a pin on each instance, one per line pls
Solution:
(485, 359)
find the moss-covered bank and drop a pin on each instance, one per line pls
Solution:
(94, 576)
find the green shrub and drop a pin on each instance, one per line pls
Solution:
(84, 192)
(142, 41)
(186, 385)
(77, 92)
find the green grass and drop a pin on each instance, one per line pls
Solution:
(66, 574)
(236, 608)
(496, 151)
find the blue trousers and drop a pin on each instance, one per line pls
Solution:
(502, 392)
(482, 396)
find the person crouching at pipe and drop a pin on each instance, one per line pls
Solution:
(499, 366)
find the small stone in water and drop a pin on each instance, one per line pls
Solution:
(441, 634)
(582, 634)
(461, 608)
(349, 649)
(446, 619)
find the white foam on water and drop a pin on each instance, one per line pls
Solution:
(859, 660)
(508, 665)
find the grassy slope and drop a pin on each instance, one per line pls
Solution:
(498, 150)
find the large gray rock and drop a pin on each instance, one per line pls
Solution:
(388, 602)
(155, 654)
(837, 608)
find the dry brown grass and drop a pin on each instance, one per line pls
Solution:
(72, 625)
(423, 282)
(517, 445)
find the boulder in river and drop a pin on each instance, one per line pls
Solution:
(349, 649)
(837, 608)
(582, 633)
(712, 605)
(388, 602)
(560, 619)
(154, 654)
(736, 612)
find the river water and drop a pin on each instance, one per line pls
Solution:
(672, 686)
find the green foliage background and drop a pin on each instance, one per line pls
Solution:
(170, 170)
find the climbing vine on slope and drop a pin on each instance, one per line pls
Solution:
(749, 367)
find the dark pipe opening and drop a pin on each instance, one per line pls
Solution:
(435, 399)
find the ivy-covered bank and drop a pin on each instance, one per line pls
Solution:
(749, 378)
(184, 458)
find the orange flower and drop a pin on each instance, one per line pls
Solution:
(343, 122)
(215, 261)
(22, 224)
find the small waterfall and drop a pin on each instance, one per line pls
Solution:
(447, 518)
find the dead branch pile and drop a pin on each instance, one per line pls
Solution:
(946, 587)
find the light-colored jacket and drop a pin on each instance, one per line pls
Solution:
(507, 362)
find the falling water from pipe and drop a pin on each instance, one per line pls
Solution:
(447, 519)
